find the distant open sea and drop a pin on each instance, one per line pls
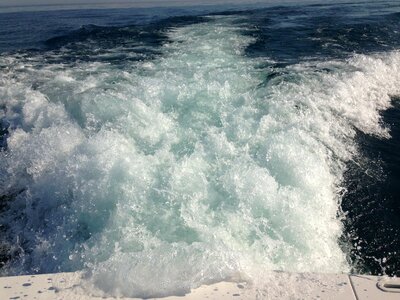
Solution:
(159, 149)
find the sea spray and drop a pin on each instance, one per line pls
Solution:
(199, 165)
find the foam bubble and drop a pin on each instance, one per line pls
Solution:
(195, 167)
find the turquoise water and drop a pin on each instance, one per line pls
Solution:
(167, 156)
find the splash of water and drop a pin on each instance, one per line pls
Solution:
(198, 166)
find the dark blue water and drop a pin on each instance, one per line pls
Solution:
(225, 137)
(372, 201)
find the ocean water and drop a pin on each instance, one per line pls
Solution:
(161, 149)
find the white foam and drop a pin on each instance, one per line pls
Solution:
(188, 169)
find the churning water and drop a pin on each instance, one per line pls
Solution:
(168, 152)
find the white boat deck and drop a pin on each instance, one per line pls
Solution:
(278, 285)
